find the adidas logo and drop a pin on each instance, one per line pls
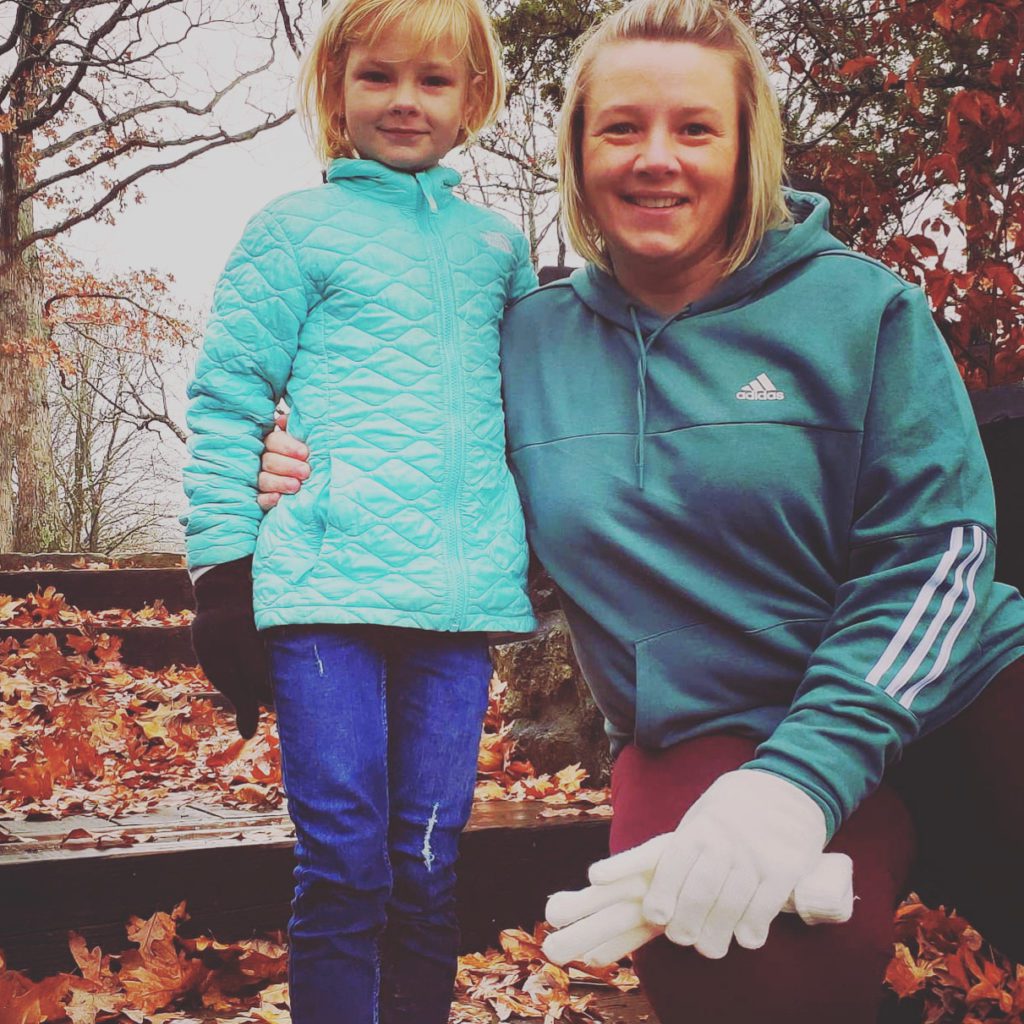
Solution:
(761, 389)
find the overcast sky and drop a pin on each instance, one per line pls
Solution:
(193, 215)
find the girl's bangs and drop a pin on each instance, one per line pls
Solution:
(427, 23)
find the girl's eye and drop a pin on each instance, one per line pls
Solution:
(437, 81)
(373, 76)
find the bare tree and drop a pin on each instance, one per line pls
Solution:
(95, 95)
(513, 168)
(123, 351)
(117, 444)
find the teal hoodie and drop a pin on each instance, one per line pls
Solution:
(371, 304)
(769, 514)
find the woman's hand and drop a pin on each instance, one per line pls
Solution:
(730, 866)
(733, 862)
(283, 467)
(602, 923)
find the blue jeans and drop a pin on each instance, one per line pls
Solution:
(379, 734)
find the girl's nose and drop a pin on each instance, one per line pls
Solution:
(404, 100)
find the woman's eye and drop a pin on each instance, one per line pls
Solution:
(696, 130)
(620, 128)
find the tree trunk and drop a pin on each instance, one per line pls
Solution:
(28, 519)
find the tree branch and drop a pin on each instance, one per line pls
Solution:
(118, 188)
(45, 113)
(107, 123)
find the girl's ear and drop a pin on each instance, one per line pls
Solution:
(474, 101)
(339, 141)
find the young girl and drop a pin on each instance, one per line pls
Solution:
(372, 305)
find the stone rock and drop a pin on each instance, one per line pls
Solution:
(555, 720)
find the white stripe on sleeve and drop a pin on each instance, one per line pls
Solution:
(949, 600)
(951, 637)
(917, 610)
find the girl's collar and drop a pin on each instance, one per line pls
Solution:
(436, 183)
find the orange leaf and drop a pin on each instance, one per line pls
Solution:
(857, 64)
(903, 975)
(227, 755)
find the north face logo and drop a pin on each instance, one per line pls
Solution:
(496, 240)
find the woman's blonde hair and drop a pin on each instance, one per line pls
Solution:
(760, 204)
(463, 23)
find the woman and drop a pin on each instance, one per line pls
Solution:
(748, 463)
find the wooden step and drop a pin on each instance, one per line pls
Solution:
(152, 647)
(99, 589)
(234, 869)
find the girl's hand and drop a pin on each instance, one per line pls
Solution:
(285, 464)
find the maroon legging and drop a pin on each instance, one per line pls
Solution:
(948, 821)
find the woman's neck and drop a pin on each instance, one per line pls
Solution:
(665, 289)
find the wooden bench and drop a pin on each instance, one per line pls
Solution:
(234, 868)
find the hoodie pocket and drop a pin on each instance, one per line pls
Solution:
(709, 676)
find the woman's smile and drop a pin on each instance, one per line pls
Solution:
(655, 202)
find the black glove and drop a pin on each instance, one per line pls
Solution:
(229, 648)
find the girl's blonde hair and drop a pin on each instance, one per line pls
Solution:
(463, 23)
(760, 204)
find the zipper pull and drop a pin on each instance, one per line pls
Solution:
(431, 201)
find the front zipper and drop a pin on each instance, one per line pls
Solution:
(455, 413)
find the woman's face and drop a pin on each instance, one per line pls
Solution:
(660, 149)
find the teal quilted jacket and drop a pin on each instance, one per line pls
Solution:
(372, 305)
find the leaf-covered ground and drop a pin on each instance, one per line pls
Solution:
(82, 733)
(163, 975)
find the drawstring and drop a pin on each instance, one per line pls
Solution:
(431, 201)
(643, 347)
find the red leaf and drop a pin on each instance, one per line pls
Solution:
(858, 64)
(1002, 277)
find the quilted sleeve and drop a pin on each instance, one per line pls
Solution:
(524, 277)
(259, 306)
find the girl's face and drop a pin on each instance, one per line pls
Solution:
(660, 149)
(405, 103)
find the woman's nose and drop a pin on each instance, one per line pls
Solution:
(656, 154)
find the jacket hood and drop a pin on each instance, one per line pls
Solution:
(780, 249)
(393, 186)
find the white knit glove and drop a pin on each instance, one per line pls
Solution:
(729, 867)
(602, 923)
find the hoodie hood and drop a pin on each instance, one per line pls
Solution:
(780, 249)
